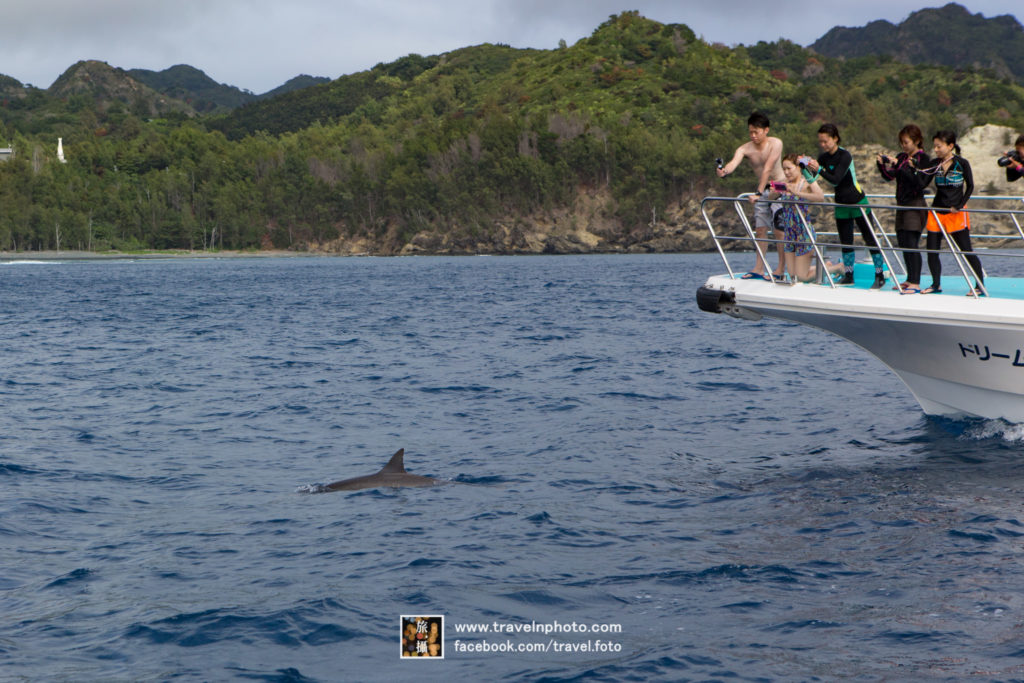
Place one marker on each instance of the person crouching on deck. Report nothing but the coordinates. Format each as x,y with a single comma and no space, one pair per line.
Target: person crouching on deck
793,220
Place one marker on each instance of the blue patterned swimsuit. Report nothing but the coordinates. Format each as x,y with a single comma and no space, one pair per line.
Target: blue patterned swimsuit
789,221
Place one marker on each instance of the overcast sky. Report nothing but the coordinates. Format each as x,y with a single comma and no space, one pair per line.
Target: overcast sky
259,44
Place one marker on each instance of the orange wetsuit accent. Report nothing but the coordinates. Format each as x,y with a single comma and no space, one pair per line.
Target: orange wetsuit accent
952,222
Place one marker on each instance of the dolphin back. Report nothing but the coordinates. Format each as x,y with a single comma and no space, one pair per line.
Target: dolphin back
396,465
392,474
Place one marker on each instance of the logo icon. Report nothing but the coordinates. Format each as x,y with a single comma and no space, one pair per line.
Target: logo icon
422,636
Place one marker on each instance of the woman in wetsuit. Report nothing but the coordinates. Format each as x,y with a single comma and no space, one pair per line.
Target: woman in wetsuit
1014,161
835,165
954,184
909,223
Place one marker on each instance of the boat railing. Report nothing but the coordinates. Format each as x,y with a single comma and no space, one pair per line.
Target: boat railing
882,237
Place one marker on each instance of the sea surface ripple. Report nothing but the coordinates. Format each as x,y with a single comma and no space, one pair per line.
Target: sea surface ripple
748,501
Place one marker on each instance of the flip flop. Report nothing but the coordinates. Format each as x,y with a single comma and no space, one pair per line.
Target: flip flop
931,290
977,290
911,290
753,276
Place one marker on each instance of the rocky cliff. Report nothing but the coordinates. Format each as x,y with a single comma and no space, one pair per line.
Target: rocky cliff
589,225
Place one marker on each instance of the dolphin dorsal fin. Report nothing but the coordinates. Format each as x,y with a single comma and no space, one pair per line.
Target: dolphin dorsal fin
396,464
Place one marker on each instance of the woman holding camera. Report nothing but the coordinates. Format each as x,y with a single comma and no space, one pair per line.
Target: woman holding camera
909,192
1014,161
954,184
835,165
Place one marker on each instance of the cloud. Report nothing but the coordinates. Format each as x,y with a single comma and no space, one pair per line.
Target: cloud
259,44
45,38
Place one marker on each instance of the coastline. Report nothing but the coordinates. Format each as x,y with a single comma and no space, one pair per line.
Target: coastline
72,255
171,254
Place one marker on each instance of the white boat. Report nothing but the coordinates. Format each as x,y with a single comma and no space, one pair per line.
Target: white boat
959,355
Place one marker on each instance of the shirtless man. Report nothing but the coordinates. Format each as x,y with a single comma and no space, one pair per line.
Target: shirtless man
765,156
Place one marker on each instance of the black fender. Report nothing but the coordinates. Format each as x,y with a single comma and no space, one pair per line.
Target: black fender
711,300
720,301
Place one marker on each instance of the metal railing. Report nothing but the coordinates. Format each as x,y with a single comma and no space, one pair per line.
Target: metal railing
869,212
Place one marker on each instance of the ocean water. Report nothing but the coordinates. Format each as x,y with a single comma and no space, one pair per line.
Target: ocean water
713,499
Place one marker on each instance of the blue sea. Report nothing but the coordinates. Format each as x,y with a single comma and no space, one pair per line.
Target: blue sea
709,498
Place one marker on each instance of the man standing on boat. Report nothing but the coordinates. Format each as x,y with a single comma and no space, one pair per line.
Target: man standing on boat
765,156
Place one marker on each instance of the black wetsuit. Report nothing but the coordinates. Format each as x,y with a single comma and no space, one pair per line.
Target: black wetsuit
837,168
954,186
1014,171
952,190
909,192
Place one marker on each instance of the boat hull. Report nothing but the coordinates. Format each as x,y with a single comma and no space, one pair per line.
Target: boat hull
959,356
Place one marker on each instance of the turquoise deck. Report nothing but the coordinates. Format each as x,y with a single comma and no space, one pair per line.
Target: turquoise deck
953,283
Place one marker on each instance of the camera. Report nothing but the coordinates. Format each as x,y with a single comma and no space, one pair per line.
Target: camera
803,161
719,163
1010,159
776,186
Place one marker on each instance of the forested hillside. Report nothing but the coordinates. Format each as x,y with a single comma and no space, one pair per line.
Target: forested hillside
484,149
192,86
948,35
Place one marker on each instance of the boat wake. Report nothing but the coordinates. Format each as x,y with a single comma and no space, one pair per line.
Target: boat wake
32,263
995,429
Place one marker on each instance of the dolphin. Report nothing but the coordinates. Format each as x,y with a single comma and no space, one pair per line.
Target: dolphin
392,474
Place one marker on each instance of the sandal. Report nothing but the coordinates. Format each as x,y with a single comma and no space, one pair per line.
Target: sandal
931,290
911,289
753,276
976,290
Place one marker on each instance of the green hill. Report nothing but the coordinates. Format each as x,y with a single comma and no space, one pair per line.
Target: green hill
9,85
949,36
205,95
603,145
329,102
104,84
190,85
298,83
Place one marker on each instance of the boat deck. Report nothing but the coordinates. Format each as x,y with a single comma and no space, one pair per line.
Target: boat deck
953,283
958,355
